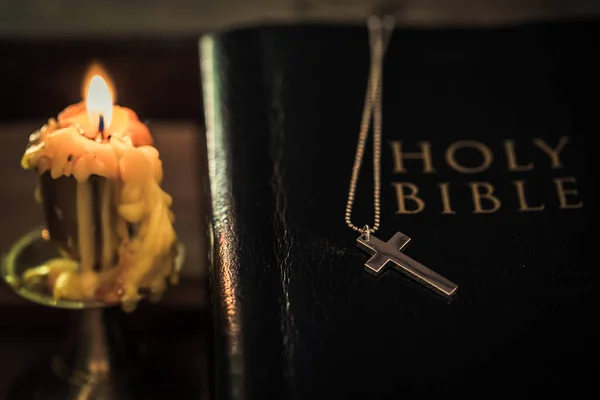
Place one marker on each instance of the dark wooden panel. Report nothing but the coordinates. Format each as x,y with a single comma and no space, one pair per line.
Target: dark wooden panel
30,18
157,78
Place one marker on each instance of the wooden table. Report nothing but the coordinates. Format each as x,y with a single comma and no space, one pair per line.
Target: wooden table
177,329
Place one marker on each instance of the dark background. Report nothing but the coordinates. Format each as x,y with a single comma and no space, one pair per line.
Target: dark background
158,78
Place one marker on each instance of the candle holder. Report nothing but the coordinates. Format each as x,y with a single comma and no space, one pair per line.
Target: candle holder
98,362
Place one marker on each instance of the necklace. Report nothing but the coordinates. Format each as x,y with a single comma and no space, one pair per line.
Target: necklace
382,253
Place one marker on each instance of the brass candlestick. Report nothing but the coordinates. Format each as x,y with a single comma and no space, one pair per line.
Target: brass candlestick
97,361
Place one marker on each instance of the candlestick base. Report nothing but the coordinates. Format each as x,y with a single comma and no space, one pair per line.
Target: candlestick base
35,249
98,362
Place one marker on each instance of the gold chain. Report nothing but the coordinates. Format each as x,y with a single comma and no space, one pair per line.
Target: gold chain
379,34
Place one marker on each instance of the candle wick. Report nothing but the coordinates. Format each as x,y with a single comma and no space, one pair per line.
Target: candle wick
101,126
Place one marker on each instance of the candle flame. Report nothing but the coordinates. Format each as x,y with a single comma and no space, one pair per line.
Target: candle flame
99,97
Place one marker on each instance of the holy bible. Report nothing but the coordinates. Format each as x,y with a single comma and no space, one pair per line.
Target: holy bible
486,165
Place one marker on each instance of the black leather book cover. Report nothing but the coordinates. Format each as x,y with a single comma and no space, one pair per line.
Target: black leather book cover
488,148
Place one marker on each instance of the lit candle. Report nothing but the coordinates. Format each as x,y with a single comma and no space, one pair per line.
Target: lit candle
99,97
124,242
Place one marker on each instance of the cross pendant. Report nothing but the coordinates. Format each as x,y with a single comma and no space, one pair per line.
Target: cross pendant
391,251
